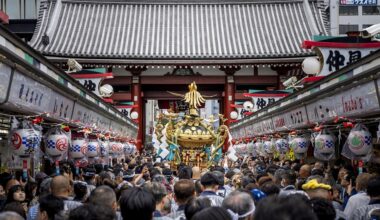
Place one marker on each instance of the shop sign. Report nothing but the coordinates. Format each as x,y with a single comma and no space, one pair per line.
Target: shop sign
92,84
90,118
262,102
356,101
5,76
290,120
33,96
334,59
358,2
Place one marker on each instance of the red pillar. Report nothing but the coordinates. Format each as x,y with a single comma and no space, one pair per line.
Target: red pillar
229,91
229,98
137,100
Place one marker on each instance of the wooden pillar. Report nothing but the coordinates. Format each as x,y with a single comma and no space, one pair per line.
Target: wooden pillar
138,101
229,91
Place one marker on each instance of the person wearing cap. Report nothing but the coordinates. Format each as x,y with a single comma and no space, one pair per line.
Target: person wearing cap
210,184
89,178
240,205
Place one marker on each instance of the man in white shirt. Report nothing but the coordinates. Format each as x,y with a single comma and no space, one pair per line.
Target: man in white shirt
361,198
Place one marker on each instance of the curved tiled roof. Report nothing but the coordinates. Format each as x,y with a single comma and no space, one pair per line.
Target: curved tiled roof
167,29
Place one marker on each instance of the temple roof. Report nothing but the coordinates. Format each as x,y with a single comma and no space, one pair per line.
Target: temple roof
173,29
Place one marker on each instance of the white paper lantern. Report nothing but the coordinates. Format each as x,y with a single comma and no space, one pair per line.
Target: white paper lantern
78,149
311,66
359,142
325,143
104,148
106,90
234,115
269,147
134,115
56,145
25,141
259,147
250,147
282,145
299,145
248,105
113,148
92,148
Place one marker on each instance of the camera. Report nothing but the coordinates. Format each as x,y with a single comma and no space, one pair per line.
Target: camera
74,66
290,82
372,31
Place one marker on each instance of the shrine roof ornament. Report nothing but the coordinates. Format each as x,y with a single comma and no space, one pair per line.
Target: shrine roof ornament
166,29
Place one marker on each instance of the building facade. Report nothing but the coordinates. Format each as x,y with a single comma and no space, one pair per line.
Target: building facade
153,47
350,15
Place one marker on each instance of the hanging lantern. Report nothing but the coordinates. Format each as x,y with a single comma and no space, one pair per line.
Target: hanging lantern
234,115
360,140
282,145
299,145
250,147
104,148
325,143
92,148
24,141
56,145
269,146
311,66
134,115
78,149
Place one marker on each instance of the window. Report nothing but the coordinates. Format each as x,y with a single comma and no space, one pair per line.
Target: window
344,28
366,25
348,10
371,10
20,9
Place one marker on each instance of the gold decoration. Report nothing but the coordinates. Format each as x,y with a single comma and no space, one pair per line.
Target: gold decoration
190,139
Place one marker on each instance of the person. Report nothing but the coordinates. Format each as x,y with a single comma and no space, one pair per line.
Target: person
361,197
373,191
323,208
212,213
314,189
8,215
61,188
3,198
104,196
16,207
195,205
50,207
288,183
184,190
137,203
160,195
210,184
89,178
92,212
80,191
241,204
305,171
282,208
16,194
31,193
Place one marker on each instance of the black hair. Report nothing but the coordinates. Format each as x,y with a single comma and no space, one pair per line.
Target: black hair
80,190
218,168
212,213
195,205
373,187
92,212
288,207
51,205
29,187
323,208
270,188
185,172
290,176
137,203
11,191
15,207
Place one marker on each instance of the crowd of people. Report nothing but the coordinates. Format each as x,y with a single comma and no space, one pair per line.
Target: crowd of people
138,187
